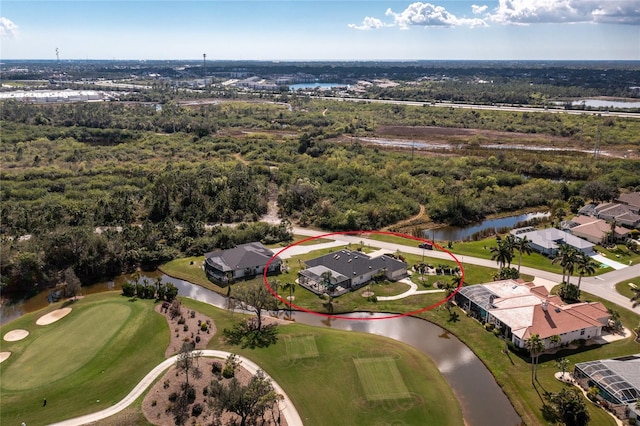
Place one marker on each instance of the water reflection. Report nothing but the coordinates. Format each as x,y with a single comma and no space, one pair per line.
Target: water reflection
458,233
482,401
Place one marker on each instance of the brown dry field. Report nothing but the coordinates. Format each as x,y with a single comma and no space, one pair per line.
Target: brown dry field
452,134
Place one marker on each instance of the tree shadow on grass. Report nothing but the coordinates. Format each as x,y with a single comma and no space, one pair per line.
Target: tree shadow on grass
69,302
247,335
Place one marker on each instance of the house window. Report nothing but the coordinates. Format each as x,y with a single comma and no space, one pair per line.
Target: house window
582,332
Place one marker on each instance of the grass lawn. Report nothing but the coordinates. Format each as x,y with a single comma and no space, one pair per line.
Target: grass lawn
624,289
326,388
84,362
482,249
315,366
190,269
79,339
380,379
620,254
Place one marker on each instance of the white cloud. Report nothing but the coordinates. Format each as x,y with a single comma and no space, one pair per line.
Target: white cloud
478,10
7,28
514,12
523,12
427,14
368,23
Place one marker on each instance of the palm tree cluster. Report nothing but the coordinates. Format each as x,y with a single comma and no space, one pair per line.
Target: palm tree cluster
535,345
503,253
571,260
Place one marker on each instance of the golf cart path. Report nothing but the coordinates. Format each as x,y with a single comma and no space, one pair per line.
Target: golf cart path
286,406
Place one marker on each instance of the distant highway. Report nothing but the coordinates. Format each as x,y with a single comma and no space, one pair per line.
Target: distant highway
486,107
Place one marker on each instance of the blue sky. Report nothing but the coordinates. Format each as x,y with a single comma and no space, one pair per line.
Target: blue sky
321,30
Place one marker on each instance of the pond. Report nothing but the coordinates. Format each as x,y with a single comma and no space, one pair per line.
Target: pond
482,401
322,86
605,103
461,233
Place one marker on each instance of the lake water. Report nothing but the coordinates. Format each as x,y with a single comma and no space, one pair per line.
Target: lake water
482,401
605,103
304,86
457,233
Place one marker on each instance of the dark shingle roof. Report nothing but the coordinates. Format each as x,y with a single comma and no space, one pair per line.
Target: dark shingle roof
354,263
243,256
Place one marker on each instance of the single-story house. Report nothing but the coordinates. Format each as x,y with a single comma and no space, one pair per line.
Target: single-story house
521,310
621,213
631,199
594,230
345,270
224,267
548,241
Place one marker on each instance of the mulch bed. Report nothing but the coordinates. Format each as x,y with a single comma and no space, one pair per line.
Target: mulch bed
156,406
187,328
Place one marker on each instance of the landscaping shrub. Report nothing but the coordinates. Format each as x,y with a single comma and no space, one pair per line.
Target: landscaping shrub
128,289
196,410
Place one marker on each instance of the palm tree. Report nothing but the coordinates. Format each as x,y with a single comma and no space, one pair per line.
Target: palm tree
275,285
523,246
510,243
566,256
635,297
291,286
534,345
586,266
456,280
611,235
563,365
326,280
502,253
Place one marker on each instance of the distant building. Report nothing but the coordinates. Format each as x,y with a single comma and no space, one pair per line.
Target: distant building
345,270
224,267
520,310
548,241
623,214
593,230
631,199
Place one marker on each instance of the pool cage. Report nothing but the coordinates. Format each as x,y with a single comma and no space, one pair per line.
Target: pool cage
618,379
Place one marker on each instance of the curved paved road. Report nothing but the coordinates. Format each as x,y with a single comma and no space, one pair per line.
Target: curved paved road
286,406
602,286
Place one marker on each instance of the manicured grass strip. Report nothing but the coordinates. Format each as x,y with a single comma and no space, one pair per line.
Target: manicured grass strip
54,355
381,379
326,390
129,338
299,347
624,288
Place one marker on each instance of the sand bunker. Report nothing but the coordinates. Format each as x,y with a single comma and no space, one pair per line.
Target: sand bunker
53,316
15,335
4,355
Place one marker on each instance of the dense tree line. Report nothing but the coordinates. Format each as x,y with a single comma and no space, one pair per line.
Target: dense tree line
29,265
61,180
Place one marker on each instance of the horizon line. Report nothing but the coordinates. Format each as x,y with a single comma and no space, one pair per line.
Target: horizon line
321,60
